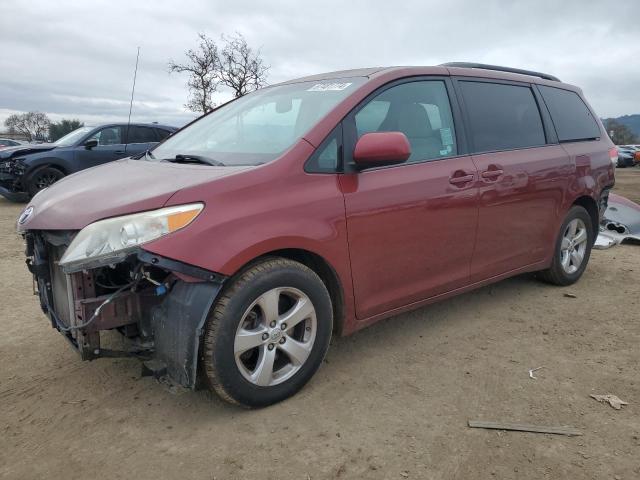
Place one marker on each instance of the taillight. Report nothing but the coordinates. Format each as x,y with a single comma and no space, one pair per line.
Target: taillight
613,155
637,156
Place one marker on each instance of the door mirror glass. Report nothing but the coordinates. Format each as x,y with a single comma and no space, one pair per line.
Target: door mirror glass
91,143
381,148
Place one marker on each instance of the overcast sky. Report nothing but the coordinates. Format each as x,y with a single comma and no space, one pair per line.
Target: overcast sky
75,59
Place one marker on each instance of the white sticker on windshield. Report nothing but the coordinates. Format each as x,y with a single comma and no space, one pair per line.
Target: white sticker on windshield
327,87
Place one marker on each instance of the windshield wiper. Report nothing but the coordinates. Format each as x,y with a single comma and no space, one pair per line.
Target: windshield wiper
146,155
187,158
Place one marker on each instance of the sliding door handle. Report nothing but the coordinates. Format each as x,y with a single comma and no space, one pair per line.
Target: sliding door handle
461,180
492,174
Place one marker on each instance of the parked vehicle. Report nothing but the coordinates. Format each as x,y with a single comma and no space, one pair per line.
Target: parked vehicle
27,169
627,157
233,251
7,142
636,155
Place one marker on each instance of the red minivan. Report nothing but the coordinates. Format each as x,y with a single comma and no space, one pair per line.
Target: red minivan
231,252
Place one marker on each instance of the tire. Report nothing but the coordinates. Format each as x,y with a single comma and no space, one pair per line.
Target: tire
561,272
42,178
245,313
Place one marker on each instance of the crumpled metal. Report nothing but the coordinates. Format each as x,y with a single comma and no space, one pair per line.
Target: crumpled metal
620,223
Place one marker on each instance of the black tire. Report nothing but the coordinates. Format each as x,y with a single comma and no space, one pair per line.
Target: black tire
556,274
42,178
221,372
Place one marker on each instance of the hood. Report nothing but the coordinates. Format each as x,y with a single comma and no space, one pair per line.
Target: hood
19,150
116,188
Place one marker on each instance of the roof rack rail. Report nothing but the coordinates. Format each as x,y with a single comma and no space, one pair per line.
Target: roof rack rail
484,66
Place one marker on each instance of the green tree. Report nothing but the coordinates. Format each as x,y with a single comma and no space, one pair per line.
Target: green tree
60,129
620,134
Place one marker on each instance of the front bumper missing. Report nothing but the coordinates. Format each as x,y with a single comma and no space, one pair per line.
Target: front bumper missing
162,315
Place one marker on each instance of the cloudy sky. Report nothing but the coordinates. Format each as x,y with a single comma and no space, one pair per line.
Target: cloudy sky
75,58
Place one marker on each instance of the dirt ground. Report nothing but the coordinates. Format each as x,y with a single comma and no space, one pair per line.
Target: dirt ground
391,401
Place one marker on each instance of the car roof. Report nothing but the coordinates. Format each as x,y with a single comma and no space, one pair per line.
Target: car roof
136,124
476,70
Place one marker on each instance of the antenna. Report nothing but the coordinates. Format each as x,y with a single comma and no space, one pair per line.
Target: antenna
133,89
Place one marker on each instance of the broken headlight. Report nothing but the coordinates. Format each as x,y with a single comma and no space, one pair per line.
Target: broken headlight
113,237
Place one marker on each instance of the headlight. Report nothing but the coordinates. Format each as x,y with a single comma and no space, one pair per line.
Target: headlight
111,239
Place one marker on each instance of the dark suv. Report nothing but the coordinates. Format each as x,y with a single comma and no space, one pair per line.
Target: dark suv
27,169
232,251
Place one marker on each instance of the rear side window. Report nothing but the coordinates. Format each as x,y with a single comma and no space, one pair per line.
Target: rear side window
501,116
141,134
570,115
420,110
162,134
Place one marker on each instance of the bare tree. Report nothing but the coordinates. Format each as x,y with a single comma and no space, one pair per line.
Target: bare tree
241,68
202,65
33,125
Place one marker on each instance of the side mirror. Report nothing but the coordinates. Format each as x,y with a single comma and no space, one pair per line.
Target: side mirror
381,148
89,144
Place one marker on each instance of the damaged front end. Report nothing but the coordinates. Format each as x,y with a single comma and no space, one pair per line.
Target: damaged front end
157,304
11,184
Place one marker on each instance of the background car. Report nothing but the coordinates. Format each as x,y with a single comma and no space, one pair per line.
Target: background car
27,169
628,156
7,142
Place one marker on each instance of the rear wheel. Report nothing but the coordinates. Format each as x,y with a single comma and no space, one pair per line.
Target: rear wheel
267,334
43,178
572,250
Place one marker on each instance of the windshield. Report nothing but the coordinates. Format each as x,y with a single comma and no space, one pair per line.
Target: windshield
260,126
71,138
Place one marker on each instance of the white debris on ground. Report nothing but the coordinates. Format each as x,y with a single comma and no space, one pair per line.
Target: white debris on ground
614,401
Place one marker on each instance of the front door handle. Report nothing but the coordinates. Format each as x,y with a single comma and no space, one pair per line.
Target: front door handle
460,180
492,174
119,152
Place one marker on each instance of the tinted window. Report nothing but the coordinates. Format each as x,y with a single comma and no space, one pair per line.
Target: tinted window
141,134
570,116
162,134
502,117
108,136
420,110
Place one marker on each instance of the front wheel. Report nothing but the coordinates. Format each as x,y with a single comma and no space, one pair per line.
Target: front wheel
267,334
43,178
572,249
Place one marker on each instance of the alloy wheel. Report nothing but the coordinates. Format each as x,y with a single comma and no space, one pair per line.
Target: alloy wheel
574,246
275,336
46,180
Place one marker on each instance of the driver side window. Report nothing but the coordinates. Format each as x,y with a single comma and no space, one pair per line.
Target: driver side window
108,136
420,110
